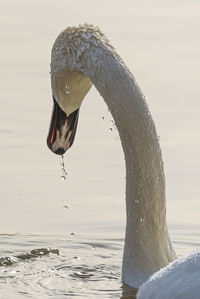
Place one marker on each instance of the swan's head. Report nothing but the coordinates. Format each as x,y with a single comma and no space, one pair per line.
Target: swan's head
69,85
78,55
69,89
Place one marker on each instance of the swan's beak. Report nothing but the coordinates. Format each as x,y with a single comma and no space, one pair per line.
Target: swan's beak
62,130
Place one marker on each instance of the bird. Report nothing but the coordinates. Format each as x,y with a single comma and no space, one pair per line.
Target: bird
81,57
179,279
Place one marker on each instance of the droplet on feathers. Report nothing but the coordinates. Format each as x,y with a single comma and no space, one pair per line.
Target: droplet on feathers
141,219
67,89
113,123
110,129
93,247
72,235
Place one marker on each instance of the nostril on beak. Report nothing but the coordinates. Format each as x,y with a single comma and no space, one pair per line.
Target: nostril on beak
60,151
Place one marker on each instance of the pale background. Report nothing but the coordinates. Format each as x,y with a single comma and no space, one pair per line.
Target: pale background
159,41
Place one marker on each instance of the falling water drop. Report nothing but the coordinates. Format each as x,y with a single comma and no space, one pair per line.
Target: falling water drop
64,172
66,208
77,257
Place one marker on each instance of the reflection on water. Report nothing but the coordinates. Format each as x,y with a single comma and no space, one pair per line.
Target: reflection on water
128,292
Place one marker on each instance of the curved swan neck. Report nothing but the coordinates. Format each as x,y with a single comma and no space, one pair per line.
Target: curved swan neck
147,244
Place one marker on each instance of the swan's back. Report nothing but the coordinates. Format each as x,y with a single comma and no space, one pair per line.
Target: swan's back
179,280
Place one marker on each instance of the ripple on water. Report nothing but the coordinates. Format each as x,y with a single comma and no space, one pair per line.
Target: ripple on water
73,269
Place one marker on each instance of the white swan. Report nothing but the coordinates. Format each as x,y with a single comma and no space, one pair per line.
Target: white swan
82,56
179,280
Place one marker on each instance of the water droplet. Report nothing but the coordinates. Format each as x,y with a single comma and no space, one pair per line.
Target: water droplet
137,201
67,92
102,117
141,219
77,258
64,172
110,129
72,235
66,208
93,247
63,178
113,123
13,272
13,258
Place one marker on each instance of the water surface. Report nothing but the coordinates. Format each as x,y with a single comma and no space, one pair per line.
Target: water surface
159,41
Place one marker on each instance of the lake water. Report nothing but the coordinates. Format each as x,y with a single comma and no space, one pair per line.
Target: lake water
83,218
